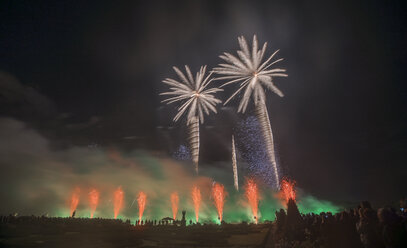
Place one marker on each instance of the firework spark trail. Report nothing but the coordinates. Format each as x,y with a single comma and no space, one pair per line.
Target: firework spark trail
253,75
234,161
141,200
193,131
263,117
93,201
74,200
288,190
132,203
196,99
174,204
118,196
252,195
196,198
219,194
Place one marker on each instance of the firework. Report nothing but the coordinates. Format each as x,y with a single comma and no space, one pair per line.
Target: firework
174,204
118,201
141,200
252,74
196,198
234,161
196,99
252,195
74,200
219,194
93,201
288,190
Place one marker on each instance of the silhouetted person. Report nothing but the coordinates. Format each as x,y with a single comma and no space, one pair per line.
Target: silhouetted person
294,224
393,231
368,228
183,220
280,219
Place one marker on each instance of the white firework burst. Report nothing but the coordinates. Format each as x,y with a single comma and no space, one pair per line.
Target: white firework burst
194,94
252,74
196,99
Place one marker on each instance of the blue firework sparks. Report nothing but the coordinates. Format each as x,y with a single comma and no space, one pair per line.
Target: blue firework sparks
183,153
253,150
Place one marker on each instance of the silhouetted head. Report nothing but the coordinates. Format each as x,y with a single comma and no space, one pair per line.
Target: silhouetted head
387,215
365,204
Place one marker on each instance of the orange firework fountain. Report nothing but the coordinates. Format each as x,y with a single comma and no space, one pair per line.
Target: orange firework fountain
252,195
93,201
218,194
118,201
288,190
74,200
196,198
174,204
141,200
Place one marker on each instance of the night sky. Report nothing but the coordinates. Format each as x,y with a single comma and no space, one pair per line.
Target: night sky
88,74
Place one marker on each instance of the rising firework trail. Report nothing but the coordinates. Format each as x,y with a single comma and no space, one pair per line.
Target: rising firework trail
118,196
252,195
219,194
196,199
288,190
174,204
234,161
74,200
93,201
141,200
253,75
196,99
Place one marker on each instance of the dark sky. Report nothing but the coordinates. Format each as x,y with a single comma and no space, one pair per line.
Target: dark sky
82,73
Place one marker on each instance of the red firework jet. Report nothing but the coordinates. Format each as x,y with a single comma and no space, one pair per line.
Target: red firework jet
141,200
252,195
288,190
219,194
196,199
118,201
174,204
74,200
93,201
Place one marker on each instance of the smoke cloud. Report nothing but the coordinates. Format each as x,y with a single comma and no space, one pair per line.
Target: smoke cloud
40,180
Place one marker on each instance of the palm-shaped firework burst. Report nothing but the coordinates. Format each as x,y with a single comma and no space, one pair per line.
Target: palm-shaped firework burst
253,75
196,99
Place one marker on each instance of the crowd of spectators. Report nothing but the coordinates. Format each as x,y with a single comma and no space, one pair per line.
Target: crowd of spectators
361,227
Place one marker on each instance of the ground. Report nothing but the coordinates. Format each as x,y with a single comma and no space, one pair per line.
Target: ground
104,234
